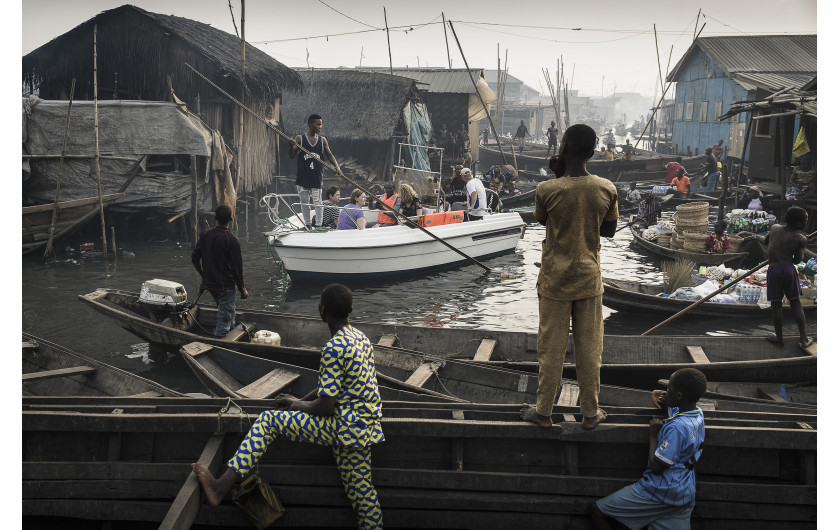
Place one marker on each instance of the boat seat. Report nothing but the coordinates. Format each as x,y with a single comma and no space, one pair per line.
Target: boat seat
61,372
387,340
775,395
810,350
197,351
239,331
569,395
698,356
269,385
422,374
485,350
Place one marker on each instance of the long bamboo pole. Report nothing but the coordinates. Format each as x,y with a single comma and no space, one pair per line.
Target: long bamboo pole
446,38
477,93
48,248
388,34
96,135
710,295
335,170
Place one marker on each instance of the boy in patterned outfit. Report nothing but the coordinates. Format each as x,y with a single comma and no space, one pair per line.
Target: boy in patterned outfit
343,412
664,497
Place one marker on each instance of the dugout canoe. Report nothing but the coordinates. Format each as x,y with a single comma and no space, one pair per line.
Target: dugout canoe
526,198
227,373
461,468
37,219
303,336
49,369
699,258
627,295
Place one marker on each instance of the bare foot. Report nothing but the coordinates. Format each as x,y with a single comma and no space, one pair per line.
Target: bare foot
591,423
214,489
805,343
773,339
529,413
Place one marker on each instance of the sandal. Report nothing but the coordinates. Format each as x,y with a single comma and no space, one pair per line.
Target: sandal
773,339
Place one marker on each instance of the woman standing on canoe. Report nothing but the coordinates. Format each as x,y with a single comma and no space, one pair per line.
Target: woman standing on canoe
344,412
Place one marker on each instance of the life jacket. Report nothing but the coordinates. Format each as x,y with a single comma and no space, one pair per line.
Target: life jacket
383,218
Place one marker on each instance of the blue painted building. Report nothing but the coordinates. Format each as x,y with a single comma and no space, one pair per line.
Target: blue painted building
718,71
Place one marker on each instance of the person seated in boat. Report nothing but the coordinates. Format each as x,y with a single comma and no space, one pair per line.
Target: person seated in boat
718,241
753,199
386,218
649,210
410,204
785,248
633,195
609,156
681,184
627,151
352,216
344,413
666,492
331,209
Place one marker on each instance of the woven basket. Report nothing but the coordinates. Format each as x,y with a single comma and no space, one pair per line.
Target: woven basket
663,238
735,242
677,241
695,242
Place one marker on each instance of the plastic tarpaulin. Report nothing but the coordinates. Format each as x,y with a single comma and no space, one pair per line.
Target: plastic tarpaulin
476,109
416,118
130,129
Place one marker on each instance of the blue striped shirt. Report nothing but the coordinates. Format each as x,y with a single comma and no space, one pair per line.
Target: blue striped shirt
679,444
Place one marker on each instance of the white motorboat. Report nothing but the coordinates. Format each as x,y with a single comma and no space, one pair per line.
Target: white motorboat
345,255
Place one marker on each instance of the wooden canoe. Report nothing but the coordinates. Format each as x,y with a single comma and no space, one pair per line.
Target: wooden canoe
636,296
735,358
699,258
71,216
526,198
461,468
227,373
53,370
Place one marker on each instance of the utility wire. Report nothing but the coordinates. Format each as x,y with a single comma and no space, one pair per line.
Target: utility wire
347,16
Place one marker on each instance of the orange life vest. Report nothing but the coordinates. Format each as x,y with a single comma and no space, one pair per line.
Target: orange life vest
383,218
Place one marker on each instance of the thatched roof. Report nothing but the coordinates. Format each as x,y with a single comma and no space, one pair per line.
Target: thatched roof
143,47
354,105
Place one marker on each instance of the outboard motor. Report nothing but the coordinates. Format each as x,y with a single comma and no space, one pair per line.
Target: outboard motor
164,300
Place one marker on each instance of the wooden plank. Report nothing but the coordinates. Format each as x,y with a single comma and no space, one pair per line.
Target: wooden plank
775,395
150,393
269,385
697,354
195,349
569,418
239,331
29,345
485,350
803,425
61,372
188,501
569,394
387,340
422,374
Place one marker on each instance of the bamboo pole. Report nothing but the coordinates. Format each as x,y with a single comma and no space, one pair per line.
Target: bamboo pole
194,172
335,169
96,135
48,248
240,152
446,38
710,295
65,156
114,247
483,104
388,35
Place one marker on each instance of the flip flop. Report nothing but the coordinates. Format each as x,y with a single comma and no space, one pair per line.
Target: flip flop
772,339
591,423
805,345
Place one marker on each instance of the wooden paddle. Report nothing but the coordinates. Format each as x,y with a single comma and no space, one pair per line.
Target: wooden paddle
710,295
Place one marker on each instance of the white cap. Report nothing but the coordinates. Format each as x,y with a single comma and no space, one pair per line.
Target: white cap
466,171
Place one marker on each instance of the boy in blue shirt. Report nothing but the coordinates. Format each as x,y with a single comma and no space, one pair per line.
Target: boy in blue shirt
664,497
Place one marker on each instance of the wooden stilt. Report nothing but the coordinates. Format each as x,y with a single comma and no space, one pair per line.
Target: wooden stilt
98,175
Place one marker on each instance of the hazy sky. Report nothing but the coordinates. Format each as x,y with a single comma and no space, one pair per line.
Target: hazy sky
613,49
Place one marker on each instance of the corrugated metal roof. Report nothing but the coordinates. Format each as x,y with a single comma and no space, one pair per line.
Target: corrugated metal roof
788,57
770,81
437,80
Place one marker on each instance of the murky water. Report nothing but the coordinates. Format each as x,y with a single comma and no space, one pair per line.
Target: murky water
464,297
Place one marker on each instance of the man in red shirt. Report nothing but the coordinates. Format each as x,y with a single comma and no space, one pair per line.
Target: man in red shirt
671,169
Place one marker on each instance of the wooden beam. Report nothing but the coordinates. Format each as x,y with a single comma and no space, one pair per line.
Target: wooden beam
269,385
239,331
421,374
697,354
485,350
812,349
194,349
387,340
61,372
188,501
568,395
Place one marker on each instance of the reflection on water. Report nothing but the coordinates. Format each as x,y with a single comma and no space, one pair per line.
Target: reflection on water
461,297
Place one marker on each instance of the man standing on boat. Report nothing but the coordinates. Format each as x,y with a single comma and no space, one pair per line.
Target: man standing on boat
671,169
551,132
521,133
218,258
476,196
308,181
577,209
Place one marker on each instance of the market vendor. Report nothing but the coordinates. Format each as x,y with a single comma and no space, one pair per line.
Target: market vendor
753,199
718,241
682,184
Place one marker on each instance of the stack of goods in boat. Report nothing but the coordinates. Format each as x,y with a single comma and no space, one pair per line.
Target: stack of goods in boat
758,222
692,218
661,233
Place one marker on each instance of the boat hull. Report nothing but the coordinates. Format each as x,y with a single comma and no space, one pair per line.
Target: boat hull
699,258
345,255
